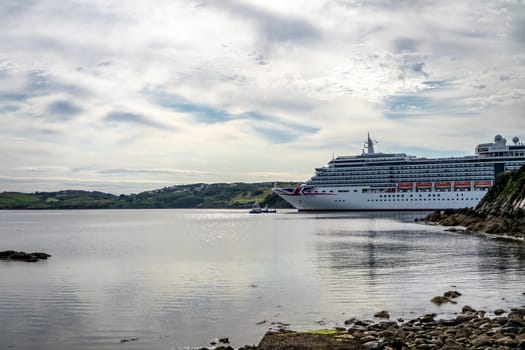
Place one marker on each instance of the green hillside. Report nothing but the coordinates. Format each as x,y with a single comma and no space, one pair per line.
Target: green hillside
220,195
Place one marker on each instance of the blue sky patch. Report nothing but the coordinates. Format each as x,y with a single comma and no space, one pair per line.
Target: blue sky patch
211,115
63,110
203,113
405,106
13,96
125,117
9,109
275,135
276,120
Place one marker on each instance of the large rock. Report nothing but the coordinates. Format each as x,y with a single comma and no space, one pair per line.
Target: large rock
23,256
438,300
467,309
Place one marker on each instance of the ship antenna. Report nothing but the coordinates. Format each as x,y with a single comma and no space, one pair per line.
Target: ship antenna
370,144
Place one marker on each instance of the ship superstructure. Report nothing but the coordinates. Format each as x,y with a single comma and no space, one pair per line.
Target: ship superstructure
397,181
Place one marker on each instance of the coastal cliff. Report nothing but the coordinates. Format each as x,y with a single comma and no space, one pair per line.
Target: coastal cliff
501,211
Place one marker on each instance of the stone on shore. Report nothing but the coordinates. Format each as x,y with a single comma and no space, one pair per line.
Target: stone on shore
382,314
498,312
452,294
467,309
446,298
438,300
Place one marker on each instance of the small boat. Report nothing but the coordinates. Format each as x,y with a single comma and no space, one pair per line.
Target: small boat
265,209
482,184
444,184
462,184
256,208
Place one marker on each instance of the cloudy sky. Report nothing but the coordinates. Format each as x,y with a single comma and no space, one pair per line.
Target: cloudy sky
125,96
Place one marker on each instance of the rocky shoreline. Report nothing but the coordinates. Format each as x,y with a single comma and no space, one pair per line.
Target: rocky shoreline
500,212
23,256
471,329
472,221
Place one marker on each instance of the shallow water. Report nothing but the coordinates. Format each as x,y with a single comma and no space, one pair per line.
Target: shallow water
180,278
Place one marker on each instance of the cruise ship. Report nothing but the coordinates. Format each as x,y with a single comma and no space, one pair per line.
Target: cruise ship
397,181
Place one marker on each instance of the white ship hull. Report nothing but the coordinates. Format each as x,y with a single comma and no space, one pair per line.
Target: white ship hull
355,199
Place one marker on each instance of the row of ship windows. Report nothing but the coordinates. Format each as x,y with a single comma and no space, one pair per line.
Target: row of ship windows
403,165
406,173
410,168
420,199
340,172
395,180
425,163
401,171
413,167
459,194
411,195
405,177
412,199
375,182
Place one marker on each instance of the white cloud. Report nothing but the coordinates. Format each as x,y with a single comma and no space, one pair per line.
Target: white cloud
189,91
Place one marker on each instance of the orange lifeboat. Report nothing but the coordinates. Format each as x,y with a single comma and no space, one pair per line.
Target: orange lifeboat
424,185
405,185
462,184
483,184
444,184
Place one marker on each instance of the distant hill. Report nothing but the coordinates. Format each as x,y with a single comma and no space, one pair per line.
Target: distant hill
501,211
200,195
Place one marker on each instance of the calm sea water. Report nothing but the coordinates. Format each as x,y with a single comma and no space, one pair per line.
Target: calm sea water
180,278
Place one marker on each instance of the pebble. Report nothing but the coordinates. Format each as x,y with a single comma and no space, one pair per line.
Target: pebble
467,309
382,314
498,312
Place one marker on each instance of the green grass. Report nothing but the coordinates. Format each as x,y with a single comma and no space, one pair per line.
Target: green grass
323,331
18,200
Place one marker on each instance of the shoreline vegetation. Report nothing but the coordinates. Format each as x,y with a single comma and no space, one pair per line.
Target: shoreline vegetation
470,329
199,195
500,212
